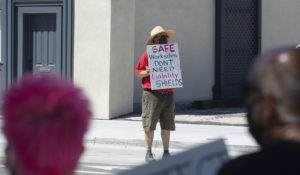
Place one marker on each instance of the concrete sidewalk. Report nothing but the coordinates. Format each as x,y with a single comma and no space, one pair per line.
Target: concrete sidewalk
235,116
115,145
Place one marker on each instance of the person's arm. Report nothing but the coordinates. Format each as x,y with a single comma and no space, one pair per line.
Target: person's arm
144,73
142,69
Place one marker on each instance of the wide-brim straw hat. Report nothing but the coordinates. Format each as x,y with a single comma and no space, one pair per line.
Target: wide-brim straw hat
159,29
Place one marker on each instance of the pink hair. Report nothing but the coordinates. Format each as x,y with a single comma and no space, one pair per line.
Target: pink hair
45,119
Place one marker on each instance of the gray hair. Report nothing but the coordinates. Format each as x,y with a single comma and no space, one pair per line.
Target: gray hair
272,75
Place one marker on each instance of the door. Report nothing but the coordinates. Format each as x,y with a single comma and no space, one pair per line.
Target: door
238,37
2,57
39,40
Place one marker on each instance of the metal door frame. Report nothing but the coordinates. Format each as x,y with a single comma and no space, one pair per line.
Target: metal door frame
10,32
22,11
219,47
3,74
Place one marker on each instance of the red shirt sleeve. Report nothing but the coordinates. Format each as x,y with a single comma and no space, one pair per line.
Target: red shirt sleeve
142,63
146,84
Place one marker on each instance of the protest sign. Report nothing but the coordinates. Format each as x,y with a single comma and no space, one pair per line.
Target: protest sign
203,160
164,66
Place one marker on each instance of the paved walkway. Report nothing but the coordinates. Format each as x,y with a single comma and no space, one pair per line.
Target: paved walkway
232,116
216,116
116,145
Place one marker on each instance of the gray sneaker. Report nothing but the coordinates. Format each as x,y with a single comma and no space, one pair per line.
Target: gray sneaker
149,157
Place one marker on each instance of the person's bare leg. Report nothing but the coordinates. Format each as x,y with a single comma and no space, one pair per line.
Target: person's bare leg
149,139
165,136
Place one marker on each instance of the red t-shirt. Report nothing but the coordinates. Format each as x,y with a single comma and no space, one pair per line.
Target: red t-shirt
141,66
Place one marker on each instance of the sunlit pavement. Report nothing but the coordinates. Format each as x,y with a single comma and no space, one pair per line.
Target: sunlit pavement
116,145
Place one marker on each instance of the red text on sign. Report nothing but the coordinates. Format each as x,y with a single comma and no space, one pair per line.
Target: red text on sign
163,48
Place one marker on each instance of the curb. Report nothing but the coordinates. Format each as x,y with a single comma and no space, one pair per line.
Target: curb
192,117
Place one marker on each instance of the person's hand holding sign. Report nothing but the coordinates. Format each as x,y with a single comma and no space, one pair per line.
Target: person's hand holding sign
144,73
147,70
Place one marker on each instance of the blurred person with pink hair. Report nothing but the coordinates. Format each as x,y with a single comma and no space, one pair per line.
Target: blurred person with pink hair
44,121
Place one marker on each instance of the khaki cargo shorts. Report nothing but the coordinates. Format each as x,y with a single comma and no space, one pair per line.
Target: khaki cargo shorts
158,107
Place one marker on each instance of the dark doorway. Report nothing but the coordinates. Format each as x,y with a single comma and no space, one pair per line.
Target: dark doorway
37,36
39,40
238,37
42,44
2,66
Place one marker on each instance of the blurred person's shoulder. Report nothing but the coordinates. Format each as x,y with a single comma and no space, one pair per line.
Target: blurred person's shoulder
280,158
240,165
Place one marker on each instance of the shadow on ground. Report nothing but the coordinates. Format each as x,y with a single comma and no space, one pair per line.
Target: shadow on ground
191,109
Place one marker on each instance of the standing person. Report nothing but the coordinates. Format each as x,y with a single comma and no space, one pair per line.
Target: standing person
273,101
44,121
157,105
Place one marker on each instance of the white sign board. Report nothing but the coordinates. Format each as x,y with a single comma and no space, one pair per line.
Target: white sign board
164,66
203,160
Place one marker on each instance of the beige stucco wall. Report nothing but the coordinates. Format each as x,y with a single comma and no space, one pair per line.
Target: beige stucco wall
110,36
194,22
103,54
122,57
280,23
92,31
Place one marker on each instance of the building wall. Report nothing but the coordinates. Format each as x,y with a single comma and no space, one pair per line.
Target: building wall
92,34
194,22
103,54
110,37
280,23
122,53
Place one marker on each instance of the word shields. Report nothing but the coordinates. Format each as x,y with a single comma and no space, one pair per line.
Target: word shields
164,66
